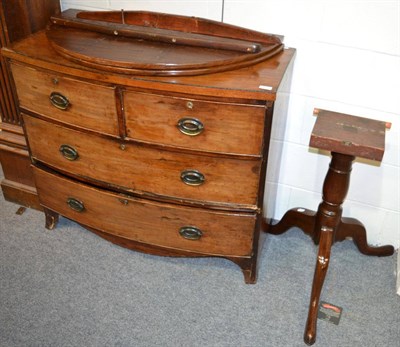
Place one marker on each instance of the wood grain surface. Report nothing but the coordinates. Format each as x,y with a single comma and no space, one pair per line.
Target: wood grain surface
228,128
145,170
148,222
91,106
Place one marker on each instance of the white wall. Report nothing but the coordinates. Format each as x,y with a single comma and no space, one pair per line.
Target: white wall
348,60
211,9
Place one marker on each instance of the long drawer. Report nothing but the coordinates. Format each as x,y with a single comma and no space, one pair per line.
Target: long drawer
195,124
228,182
67,100
176,227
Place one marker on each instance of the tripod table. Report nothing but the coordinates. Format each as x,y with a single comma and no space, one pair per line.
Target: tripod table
346,137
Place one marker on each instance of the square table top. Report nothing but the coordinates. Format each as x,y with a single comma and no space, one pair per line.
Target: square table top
348,134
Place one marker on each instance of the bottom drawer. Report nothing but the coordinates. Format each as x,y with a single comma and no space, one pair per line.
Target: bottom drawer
166,225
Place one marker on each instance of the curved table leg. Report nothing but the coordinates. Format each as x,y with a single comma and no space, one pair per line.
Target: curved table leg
321,267
296,217
350,227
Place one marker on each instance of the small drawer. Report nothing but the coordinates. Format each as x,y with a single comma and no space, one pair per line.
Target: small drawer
66,100
227,182
195,124
176,227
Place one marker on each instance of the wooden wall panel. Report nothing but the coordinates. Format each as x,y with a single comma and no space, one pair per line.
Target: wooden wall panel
18,19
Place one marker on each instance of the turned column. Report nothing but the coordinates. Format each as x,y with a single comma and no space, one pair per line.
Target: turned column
327,221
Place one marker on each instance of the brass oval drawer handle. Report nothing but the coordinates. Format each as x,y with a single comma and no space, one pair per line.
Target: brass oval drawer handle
75,205
190,233
192,177
69,152
59,101
190,126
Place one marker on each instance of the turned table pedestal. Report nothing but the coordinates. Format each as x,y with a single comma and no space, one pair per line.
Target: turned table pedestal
346,137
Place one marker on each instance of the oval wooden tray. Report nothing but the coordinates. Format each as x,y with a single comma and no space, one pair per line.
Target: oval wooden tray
150,43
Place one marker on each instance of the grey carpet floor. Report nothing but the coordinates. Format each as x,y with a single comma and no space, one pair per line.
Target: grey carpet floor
69,287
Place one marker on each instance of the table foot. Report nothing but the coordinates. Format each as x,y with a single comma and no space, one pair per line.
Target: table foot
352,228
321,268
296,217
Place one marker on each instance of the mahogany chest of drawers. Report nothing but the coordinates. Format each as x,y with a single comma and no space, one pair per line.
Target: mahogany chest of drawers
166,165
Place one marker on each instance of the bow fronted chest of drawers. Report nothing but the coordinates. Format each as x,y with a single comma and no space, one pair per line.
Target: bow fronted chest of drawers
168,165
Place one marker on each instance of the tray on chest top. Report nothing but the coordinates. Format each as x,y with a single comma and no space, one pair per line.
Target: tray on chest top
150,43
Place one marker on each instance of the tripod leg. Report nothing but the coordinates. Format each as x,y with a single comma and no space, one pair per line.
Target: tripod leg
350,227
324,251
296,217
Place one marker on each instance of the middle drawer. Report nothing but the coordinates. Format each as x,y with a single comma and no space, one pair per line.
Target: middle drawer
206,180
